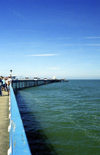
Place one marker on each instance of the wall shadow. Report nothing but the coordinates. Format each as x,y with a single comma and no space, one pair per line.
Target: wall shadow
38,141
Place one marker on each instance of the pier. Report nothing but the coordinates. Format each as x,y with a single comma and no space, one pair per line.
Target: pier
22,84
4,122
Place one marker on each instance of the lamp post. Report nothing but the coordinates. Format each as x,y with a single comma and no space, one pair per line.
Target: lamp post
11,73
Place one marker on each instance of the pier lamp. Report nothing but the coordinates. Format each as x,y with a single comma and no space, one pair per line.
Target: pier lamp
11,73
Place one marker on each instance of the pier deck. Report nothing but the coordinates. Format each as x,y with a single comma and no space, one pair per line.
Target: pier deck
4,122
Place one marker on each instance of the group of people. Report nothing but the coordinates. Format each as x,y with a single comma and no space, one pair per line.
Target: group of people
5,84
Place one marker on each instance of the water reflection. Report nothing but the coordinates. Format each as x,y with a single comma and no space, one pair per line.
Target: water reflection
38,141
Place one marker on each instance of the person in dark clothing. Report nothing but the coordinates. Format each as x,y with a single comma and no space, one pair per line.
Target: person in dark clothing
0,86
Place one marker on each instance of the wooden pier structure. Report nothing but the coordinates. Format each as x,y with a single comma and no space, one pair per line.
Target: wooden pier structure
4,122
22,84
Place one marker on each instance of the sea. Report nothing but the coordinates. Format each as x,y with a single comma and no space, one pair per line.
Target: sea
62,118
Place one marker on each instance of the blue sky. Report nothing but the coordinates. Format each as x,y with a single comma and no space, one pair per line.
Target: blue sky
48,38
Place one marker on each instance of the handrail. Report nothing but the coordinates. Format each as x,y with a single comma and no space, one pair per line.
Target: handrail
17,137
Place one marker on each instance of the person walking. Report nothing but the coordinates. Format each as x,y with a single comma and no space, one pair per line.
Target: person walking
8,81
0,86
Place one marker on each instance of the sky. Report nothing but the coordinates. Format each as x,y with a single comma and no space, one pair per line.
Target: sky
47,38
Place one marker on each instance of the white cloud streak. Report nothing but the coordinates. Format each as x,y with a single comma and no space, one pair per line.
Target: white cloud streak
90,45
42,55
54,68
92,37
95,45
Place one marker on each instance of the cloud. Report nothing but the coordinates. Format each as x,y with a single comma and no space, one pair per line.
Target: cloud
25,30
42,55
70,44
54,68
91,45
92,37
63,38
59,38
95,45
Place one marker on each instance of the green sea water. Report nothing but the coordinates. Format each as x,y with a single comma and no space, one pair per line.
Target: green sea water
62,118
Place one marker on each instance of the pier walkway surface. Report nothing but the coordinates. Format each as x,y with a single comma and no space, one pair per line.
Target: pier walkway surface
4,122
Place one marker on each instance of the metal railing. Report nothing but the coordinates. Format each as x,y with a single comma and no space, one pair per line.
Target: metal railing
18,144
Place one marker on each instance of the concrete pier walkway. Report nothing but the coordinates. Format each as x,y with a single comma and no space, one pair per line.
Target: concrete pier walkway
4,122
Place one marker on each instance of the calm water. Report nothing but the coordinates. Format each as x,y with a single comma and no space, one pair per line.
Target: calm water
62,118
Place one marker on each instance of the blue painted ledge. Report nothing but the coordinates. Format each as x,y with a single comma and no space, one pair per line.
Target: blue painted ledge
17,137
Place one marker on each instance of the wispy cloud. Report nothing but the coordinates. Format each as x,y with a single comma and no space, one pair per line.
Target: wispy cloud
63,38
25,30
92,37
42,55
95,45
54,68
91,45
59,38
